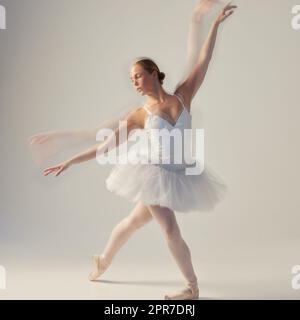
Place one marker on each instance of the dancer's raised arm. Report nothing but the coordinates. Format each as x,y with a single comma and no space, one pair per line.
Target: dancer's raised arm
189,87
195,31
131,121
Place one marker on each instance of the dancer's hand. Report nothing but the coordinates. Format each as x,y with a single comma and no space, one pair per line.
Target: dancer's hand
202,7
58,169
226,12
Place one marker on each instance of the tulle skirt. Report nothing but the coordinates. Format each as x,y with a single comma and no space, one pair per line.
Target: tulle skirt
157,185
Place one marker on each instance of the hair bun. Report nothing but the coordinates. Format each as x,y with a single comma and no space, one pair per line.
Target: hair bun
161,76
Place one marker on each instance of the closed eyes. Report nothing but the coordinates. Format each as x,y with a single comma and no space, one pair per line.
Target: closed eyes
136,76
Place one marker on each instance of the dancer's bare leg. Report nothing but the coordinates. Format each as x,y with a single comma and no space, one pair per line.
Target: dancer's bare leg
138,217
179,249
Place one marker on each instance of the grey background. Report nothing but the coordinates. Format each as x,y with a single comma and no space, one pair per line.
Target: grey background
64,64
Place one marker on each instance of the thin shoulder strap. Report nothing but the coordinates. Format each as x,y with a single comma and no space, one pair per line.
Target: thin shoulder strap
180,99
148,111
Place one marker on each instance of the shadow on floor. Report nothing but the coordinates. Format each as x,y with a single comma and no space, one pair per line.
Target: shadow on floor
143,282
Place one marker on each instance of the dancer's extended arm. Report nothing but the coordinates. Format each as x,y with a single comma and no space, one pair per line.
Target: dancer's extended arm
195,33
75,135
45,145
131,122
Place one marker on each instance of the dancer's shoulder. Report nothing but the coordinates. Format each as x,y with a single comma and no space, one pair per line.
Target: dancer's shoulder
184,97
136,116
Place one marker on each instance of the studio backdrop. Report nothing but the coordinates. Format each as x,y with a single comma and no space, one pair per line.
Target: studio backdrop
64,65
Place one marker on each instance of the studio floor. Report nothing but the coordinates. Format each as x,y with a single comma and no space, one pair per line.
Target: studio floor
143,280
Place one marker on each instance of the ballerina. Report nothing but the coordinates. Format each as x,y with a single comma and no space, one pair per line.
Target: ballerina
158,190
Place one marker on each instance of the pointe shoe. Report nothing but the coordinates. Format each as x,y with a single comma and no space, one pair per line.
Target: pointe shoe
189,293
99,264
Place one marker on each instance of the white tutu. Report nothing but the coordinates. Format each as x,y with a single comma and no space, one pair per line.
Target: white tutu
153,184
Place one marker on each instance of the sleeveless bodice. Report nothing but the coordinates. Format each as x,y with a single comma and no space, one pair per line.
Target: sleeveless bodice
168,142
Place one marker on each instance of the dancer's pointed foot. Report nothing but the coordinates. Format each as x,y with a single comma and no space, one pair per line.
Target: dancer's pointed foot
100,265
191,292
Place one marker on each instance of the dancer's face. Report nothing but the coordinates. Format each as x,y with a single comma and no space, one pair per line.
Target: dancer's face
141,79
